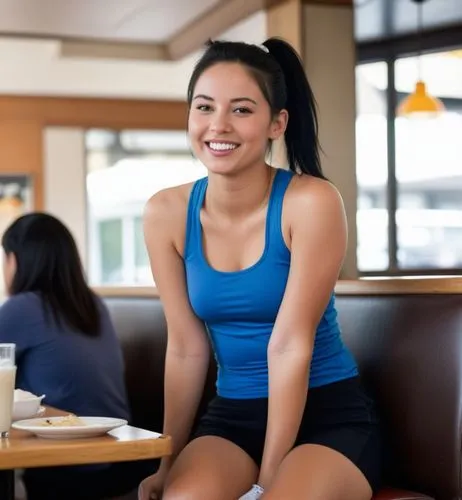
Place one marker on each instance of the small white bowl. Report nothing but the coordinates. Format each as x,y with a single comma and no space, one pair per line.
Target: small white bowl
26,408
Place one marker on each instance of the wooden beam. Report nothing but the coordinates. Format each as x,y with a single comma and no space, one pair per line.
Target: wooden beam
212,23
113,50
337,3
89,112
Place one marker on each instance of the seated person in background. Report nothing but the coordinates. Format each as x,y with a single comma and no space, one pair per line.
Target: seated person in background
66,348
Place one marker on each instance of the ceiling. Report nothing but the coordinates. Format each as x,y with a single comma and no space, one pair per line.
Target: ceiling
154,29
171,29
109,20
379,19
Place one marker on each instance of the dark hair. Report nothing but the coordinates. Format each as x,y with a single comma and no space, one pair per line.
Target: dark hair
279,73
48,262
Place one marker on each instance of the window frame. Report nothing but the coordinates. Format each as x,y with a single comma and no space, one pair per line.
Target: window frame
389,51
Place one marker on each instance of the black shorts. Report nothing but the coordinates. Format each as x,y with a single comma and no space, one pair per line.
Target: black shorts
339,415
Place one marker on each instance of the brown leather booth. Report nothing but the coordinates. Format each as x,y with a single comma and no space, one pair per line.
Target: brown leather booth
407,338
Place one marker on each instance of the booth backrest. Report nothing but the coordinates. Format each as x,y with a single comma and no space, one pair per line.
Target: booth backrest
409,349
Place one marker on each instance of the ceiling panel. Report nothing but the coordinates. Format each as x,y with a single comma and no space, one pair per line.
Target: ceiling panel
379,19
117,20
158,20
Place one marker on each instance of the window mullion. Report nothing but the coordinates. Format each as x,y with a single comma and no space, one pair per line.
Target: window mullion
392,187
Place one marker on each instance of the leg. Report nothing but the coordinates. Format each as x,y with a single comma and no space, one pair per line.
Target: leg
20,492
209,468
316,472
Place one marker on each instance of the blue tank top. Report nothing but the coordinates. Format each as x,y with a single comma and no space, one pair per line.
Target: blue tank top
239,308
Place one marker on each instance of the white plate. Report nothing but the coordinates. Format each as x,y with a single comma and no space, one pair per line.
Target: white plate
94,426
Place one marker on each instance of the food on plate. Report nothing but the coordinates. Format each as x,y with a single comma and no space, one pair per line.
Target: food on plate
67,421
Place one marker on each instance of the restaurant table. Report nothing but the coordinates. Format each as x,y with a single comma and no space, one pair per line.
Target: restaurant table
22,450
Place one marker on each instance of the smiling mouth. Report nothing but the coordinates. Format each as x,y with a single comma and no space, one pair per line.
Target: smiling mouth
221,146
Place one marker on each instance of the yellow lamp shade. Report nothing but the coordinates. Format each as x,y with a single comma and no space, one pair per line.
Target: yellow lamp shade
420,103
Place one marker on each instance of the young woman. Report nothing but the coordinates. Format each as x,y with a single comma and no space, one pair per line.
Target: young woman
249,256
66,347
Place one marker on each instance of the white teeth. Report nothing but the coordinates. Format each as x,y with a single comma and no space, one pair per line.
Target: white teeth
220,146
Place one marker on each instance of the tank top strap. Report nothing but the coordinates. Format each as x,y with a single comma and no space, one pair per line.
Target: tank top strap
275,239
193,238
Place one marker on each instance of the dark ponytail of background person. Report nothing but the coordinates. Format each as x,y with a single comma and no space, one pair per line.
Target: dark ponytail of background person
279,72
48,263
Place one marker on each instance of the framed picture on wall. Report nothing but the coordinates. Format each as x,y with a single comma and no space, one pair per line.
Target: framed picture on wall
15,200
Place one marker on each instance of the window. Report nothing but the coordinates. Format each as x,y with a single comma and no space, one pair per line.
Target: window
419,188
110,250
429,168
372,166
124,169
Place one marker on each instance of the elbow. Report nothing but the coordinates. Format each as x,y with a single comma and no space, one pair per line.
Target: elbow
188,350
183,353
293,349
187,343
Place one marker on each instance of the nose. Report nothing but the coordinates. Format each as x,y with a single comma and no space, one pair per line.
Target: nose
220,122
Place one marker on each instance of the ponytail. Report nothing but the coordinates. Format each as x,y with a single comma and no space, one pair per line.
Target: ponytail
301,135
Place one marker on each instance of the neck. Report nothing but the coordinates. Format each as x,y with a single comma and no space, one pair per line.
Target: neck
239,195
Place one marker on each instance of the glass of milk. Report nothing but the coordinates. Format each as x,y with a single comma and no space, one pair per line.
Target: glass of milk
7,378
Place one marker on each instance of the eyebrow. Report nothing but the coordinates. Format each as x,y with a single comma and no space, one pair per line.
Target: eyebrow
236,99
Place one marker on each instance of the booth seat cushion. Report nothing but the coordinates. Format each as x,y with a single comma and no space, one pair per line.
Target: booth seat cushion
392,494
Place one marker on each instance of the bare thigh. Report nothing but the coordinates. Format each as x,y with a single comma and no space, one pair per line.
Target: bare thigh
318,473
210,468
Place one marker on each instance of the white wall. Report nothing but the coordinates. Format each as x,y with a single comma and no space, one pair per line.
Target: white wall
65,180
35,67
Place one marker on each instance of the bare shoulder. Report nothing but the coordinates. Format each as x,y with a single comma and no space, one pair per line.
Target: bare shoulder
168,204
314,204
166,212
307,192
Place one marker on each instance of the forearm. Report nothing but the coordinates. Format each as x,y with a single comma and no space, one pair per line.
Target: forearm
184,386
288,388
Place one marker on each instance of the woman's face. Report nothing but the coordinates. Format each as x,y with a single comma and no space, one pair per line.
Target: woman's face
9,270
230,120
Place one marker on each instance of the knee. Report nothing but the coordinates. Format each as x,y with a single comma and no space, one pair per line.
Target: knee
181,490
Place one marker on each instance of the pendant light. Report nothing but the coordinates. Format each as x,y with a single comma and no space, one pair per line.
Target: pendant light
420,103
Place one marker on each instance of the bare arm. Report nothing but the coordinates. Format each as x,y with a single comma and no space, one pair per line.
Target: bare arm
318,245
187,356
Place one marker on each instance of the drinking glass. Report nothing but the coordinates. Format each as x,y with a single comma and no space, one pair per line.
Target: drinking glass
7,379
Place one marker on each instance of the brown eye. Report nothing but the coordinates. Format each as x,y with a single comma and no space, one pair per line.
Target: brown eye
203,107
242,111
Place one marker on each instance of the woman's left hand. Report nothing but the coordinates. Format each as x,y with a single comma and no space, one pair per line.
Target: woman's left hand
254,494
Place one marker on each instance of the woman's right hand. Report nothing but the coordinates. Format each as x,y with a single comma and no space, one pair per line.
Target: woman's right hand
152,487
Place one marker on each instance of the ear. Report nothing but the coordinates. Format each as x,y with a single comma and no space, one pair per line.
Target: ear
12,263
9,270
278,125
